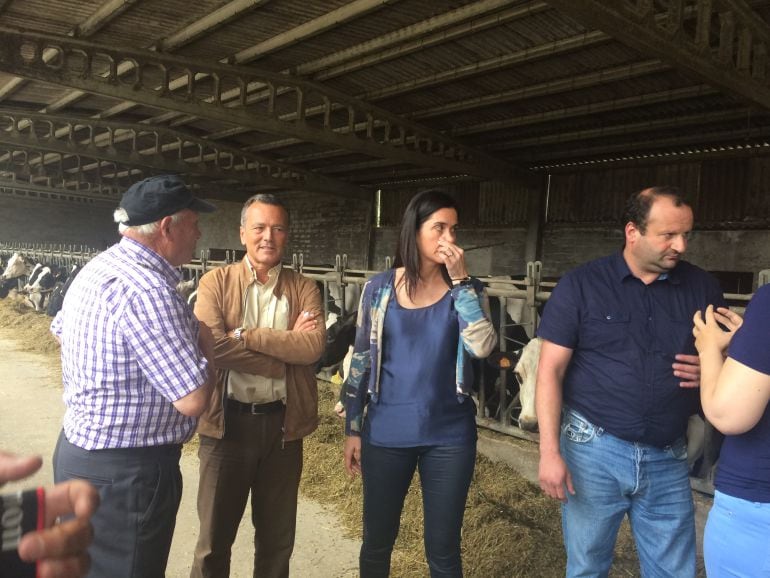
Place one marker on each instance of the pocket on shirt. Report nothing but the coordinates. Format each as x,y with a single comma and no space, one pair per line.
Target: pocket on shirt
606,331
679,338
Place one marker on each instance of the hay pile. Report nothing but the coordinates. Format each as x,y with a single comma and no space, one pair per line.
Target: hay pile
30,328
511,528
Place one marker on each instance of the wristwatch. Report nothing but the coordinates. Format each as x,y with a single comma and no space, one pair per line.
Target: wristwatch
237,333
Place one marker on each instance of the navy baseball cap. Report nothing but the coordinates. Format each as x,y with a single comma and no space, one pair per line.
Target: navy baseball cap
153,198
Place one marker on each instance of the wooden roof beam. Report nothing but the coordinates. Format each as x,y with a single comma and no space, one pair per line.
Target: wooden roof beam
615,74
94,68
616,104
697,144
170,151
466,20
181,37
102,16
737,67
58,192
623,129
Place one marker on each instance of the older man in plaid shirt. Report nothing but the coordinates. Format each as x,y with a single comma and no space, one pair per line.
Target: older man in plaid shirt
137,371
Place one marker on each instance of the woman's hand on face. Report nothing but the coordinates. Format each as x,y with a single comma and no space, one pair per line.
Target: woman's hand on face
454,259
708,334
352,451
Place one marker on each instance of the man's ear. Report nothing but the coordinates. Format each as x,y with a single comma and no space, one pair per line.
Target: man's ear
631,231
165,226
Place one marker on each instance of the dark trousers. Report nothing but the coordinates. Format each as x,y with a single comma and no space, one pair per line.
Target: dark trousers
445,476
140,490
251,458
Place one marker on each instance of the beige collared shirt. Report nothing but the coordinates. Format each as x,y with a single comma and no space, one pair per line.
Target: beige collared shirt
262,309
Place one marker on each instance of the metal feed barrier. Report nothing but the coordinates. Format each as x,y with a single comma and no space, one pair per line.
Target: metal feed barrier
503,418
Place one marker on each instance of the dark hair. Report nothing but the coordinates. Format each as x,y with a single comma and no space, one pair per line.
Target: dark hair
419,209
638,205
265,199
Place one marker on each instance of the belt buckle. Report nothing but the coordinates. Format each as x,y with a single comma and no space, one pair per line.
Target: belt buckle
254,411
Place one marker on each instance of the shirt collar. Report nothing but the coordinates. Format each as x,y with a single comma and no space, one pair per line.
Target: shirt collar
622,270
272,274
149,258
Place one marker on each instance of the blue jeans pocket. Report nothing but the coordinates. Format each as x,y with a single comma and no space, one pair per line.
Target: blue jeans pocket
678,449
576,428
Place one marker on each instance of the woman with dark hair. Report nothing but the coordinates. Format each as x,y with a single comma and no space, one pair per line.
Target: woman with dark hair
418,324
735,394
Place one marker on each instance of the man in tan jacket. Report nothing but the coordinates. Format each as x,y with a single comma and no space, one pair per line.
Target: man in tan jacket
269,332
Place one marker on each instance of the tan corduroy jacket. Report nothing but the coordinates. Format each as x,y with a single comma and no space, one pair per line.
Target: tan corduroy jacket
263,351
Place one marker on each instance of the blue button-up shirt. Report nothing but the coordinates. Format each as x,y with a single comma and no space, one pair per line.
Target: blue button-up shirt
129,349
624,336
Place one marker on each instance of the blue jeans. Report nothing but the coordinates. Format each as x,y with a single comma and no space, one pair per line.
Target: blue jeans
736,542
612,478
445,475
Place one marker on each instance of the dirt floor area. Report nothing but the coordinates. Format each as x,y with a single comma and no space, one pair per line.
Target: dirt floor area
30,398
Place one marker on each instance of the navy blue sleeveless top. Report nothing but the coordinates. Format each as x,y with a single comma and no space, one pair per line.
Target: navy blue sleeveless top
418,405
743,470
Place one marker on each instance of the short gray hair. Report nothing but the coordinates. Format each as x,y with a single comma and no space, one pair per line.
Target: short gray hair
267,199
148,230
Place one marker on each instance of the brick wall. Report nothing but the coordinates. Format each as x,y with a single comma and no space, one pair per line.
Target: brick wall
324,226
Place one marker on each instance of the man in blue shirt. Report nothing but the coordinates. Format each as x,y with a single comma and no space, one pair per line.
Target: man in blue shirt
616,384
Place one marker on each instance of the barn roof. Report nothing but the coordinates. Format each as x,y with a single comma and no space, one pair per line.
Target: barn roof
345,97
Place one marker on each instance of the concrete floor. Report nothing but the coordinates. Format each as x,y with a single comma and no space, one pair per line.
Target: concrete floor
30,420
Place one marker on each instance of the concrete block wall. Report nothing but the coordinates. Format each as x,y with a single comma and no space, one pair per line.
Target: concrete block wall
566,247
24,220
325,226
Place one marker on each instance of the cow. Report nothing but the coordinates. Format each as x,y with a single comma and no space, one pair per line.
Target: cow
39,285
526,375
486,375
340,329
17,268
187,290
340,335
346,296
60,290
339,407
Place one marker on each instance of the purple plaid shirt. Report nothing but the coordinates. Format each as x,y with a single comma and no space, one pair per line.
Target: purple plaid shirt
129,348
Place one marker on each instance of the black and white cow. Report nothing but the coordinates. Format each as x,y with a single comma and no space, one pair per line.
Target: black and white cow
40,284
15,271
60,290
340,329
340,335
512,325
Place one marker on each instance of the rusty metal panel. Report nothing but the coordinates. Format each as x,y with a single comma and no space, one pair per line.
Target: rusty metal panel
502,204
589,197
723,191
486,204
599,196
757,209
